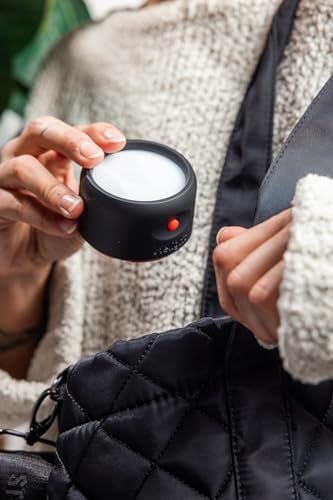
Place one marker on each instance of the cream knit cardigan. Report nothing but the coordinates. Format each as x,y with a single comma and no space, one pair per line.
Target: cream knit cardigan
177,73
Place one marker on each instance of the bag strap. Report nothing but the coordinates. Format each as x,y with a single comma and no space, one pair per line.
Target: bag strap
308,149
250,149
24,475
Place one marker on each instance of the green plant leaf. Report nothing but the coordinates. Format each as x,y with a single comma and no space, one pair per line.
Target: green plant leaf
19,20
28,30
61,16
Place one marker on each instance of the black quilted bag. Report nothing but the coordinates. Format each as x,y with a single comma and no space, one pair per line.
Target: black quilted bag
198,413
147,419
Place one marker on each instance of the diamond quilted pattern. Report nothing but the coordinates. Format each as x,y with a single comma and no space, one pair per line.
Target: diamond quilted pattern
210,452
304,425
168,487
81,435
156,419
75,415
131,350
107,380
173,351
166,421
153,385
139,391
107,458
316,475
314,420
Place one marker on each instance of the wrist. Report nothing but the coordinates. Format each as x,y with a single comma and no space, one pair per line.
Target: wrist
22,299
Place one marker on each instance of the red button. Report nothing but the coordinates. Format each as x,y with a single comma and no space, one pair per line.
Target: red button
173,224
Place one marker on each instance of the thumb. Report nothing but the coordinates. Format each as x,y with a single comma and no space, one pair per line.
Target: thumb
229,232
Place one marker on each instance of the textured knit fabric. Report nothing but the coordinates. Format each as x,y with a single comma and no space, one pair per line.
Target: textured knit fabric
175,73
306,300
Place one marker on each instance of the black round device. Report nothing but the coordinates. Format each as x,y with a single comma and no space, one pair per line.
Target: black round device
139,202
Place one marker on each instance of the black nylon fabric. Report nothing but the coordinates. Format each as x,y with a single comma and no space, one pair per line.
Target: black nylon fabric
308,149
250,149
24,475
177,416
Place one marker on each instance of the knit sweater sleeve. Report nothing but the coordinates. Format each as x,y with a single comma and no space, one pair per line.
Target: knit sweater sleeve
60,346
306,293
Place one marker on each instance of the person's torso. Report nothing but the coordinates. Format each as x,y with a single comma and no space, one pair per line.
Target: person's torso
176,73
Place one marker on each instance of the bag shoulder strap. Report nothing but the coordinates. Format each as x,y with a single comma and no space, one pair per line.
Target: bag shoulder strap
250,148
308,149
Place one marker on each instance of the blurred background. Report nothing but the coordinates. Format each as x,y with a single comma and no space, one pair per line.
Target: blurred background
28,30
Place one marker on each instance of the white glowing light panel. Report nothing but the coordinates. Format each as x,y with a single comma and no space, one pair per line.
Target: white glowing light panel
139,176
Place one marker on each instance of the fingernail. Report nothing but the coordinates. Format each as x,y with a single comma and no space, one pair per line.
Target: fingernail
218,235
67,226
90,150
114,136
68,203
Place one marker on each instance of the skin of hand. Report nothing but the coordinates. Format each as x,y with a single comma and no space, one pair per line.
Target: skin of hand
39,202
248,266
39,208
